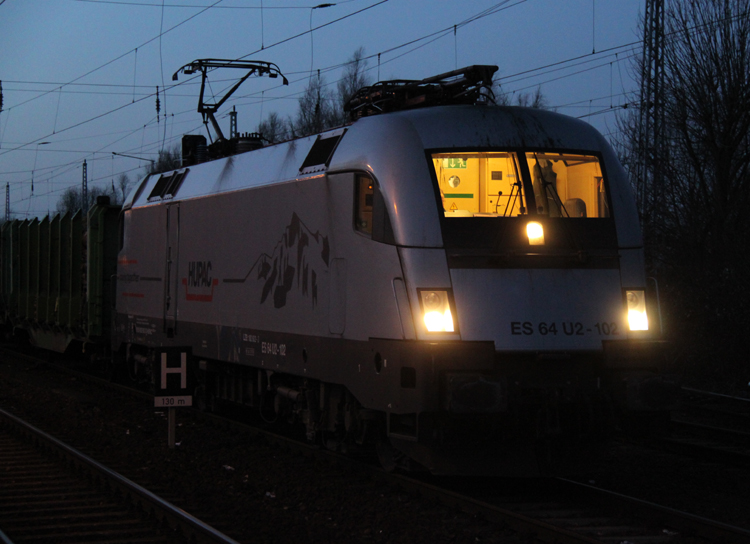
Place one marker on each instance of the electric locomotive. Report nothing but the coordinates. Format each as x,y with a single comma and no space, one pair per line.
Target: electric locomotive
453,282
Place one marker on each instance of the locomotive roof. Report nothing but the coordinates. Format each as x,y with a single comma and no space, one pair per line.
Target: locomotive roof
441,127
392,148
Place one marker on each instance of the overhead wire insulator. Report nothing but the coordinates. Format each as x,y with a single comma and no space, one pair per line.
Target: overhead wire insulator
158,105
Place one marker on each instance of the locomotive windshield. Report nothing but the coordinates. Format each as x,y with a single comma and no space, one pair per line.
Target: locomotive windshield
508,184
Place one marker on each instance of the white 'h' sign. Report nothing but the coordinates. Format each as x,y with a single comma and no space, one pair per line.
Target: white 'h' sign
182,370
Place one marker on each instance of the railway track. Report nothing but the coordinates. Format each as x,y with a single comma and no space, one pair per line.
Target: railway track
711,427
536,511
569,512
551,510
708,442
715,408
50,492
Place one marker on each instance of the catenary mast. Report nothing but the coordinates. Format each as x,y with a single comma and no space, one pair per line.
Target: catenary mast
651,147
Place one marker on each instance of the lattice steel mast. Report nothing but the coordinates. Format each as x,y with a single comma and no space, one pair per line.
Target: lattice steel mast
651,148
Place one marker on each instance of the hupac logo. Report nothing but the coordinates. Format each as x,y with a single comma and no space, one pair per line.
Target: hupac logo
199,284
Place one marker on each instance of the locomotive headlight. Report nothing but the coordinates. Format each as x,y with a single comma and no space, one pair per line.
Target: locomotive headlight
637,318
535,232
436,307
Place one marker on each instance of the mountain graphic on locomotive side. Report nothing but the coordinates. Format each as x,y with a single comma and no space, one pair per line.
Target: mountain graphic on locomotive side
456,284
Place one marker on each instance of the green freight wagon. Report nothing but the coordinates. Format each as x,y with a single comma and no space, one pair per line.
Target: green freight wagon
57,277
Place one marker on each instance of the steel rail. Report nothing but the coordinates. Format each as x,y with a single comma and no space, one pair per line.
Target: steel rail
542,530
721,445
712,531
712,394
712,432
168,514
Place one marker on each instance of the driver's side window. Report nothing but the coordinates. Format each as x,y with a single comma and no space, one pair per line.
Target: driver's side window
364,195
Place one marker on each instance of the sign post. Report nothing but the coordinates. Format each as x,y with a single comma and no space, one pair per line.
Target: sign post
173,385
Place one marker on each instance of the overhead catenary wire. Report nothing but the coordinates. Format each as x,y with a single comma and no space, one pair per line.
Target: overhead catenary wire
194,6
91,154
91,157
392,49
103,93
161,69
122,55
153,39
99,116
434,35
57,110
481,14
135,71
503,79
485,13
76,125
583,70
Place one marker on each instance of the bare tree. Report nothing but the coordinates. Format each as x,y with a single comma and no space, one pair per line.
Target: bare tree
315,111
526,100
532,100
273,128
122,185
169,159
703,225
320,108
352,80
71,200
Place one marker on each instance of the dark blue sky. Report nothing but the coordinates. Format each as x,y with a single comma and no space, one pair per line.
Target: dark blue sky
71,75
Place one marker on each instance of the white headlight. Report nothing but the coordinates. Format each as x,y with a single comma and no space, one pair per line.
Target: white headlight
535,232
437,311
637,317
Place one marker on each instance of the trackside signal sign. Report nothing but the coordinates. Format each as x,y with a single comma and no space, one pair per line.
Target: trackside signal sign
174,385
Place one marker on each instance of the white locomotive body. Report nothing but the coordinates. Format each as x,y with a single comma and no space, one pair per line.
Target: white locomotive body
380,281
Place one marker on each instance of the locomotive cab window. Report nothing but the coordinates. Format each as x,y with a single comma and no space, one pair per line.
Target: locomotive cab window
364,196
497,184
526,202
371,217
567,185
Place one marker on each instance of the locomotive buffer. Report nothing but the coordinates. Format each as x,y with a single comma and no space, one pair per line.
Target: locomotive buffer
173,384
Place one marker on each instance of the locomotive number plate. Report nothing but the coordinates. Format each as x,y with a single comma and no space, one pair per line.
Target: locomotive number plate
563,328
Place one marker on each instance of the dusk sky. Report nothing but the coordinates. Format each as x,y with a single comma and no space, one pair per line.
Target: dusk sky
79,76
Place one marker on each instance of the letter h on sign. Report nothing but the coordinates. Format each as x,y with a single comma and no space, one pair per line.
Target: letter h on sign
175,377
172,370
181,370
